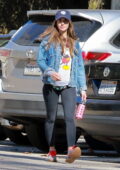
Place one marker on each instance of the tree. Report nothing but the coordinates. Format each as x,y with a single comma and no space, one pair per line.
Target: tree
95,4
13,12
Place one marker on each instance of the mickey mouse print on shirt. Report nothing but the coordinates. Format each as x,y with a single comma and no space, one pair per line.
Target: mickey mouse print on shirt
65,68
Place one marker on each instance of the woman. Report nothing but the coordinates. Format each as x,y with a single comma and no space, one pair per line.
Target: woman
63,74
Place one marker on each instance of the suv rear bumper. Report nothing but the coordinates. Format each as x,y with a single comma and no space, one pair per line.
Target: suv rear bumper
102,118
24,105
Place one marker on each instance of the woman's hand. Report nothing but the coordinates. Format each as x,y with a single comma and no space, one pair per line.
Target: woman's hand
55,76
83,96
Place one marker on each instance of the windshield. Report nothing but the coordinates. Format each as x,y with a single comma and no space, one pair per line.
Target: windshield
28,33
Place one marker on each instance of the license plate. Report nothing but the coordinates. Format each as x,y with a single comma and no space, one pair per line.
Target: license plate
107,87
32,69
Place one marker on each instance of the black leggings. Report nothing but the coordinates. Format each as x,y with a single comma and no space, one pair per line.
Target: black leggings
68,97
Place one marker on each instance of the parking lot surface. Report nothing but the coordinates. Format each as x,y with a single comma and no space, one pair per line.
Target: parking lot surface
13,157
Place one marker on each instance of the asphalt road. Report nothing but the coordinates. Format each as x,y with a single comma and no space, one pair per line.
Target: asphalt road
13,157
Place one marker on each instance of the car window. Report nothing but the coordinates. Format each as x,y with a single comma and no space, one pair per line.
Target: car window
4,38
84,29
3,42
116,40
29,32
32,29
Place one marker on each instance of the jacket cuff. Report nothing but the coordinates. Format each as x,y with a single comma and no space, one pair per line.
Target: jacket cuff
48,72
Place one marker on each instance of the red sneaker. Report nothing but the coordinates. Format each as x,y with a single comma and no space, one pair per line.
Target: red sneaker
52,156
73,154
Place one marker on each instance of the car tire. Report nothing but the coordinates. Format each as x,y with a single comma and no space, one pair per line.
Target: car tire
2,133
36,135
96,144
17,136
116,146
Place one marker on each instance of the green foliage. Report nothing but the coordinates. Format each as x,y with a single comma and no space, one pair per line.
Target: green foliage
13,12
96,4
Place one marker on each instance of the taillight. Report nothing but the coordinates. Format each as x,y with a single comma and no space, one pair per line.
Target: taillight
95,56
83,54
5,53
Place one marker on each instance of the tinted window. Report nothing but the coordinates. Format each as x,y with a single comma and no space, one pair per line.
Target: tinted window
84,29
29,32
4,38
32,29
116,40
3,42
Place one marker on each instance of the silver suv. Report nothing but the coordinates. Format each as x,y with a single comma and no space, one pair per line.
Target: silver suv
21,97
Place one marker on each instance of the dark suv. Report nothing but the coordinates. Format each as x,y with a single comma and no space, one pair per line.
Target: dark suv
21,99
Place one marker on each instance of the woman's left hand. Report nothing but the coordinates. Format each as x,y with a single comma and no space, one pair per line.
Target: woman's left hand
83,96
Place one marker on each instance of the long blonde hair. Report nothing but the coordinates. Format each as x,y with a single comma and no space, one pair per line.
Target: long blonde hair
56,38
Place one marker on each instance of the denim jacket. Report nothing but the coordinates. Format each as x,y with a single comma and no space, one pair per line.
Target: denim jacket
48,60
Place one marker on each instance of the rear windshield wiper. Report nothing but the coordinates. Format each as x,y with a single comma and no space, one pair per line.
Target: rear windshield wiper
37,40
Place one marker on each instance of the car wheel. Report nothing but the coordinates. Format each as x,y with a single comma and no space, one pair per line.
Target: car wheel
96,144
2,133
36,135
116,146
17,136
